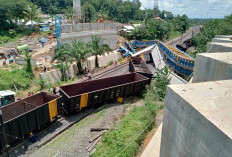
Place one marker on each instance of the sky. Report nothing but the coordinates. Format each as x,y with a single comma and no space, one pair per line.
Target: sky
193,8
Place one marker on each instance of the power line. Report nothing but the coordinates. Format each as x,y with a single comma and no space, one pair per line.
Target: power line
135,138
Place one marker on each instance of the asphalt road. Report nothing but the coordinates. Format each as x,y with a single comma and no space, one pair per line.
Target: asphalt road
188,35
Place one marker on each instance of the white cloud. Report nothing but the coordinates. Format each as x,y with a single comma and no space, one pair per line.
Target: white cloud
194,8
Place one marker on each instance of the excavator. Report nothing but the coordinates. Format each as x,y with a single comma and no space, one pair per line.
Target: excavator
101,20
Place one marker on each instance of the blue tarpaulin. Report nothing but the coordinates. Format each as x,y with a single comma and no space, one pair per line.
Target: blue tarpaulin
43,40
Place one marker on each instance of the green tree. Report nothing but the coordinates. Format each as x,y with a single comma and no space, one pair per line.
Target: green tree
98,48
63,67
27,56
10,13
210,29
76,52
32,12
69,13
88,11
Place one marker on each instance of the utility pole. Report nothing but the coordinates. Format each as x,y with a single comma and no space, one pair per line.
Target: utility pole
77,11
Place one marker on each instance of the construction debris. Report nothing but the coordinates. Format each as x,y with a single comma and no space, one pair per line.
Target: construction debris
95,137
102,129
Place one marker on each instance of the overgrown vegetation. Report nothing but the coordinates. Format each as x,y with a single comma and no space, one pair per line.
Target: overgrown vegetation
151,30
98,48
197,22
124,141
14,35
210,29
18,78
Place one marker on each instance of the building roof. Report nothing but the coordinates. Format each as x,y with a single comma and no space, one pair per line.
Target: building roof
6,93
129,27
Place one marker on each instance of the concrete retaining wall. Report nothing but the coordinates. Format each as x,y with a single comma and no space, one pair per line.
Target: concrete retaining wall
69,28
212,67
197,120
55,75
21,61
222,40
109,36
219,47
103,60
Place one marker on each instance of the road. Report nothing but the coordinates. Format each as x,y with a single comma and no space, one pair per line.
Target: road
188,35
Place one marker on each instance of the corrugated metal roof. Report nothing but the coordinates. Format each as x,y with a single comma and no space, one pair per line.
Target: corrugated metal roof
6,93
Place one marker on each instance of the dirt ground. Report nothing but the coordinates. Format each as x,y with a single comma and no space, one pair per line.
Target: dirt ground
74,141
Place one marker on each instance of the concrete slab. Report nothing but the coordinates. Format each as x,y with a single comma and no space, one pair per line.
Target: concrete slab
78,27
223,36
94,26
86,27
222,40
67,28
219,47
110,37
101,26
197,120
212,67
113,26
107,26
153,148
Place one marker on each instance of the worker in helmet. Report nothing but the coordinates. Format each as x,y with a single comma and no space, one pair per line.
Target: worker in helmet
33,137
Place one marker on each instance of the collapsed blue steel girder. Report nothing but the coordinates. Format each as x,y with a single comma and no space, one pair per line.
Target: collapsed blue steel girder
182,64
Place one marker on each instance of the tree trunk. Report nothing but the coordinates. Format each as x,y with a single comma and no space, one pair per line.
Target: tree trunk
79,66
96,62
29,68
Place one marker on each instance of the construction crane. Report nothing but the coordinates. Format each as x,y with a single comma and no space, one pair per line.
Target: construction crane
156,8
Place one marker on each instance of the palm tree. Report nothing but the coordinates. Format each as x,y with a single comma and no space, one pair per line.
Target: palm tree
27,56
98,48
63,67
76,52
31,12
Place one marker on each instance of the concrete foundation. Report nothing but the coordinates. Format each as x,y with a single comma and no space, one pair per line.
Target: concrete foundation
221,43
109,36
67,28
80,27
219,47
222,40
197,120
223,36
55,75
212,67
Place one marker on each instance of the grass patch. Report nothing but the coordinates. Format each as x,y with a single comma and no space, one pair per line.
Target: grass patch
132,129
14,35
17,77
174,34
110,63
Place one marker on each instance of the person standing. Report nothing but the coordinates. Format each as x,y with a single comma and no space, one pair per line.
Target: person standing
89,76
54,89
45,69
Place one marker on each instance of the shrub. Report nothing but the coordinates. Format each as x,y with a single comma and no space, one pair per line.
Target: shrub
124,141
110,63
16,78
